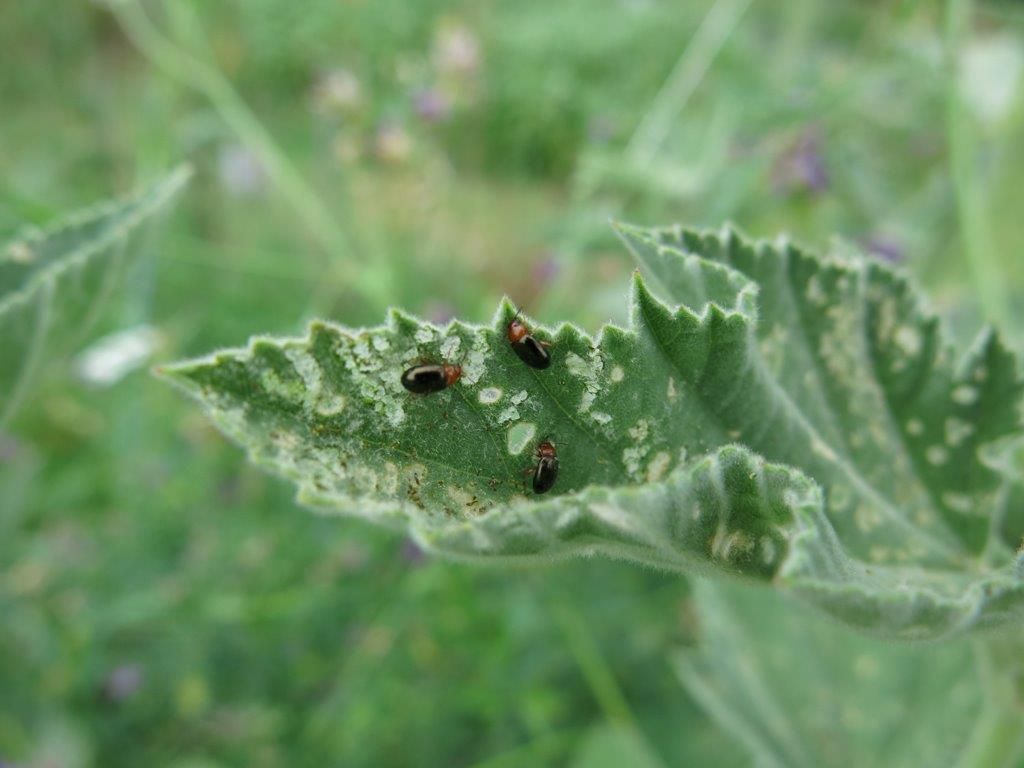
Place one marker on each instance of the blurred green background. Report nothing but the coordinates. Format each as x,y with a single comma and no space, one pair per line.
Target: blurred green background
162,603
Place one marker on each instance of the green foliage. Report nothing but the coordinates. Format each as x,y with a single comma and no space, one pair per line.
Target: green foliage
133,537
827,367
798,691
54,282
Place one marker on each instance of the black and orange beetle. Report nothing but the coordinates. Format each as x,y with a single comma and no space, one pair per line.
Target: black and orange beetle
546,471
532,352
431,377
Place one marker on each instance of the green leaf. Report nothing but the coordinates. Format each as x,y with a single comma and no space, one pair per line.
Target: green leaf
914,450
54,282
687,442
797,691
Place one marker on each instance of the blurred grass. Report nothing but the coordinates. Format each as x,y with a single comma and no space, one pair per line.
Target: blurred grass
163,603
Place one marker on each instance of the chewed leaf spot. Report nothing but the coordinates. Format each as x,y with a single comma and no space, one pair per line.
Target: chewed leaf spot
285,441
640,430
388,482
461,498
589,371
937,454
489,395
768,550
377,386
657,466
476,361
617,374
957,430
331,405
520,397
307,368
519,436
318,396
450,348
965,395
509,414
634,455
908,339
959,502
273,383
577,367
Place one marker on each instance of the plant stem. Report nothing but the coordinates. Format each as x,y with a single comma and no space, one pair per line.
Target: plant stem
369,283
596,671
684,79
976,234
686,76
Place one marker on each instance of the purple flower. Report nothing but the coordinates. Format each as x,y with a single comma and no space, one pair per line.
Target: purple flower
432,105
801,166
601,129
412,553
123,682
8,451
240,171
439,312
884,247
545,270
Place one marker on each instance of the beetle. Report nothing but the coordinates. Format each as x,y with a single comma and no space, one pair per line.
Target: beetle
531,351
546,471
430,377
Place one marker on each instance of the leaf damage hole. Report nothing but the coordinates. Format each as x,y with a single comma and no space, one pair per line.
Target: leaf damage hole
519,436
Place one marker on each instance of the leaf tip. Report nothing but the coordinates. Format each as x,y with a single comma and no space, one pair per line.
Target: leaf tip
401,322
507,309
621,227
638,288
167,187
178,375
630,234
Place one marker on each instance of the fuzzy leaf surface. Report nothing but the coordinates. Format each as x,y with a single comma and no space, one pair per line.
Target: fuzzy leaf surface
798,691
688,441
917,452
54,282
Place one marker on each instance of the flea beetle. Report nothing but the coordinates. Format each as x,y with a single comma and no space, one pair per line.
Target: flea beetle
532,352
546,471
424,379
